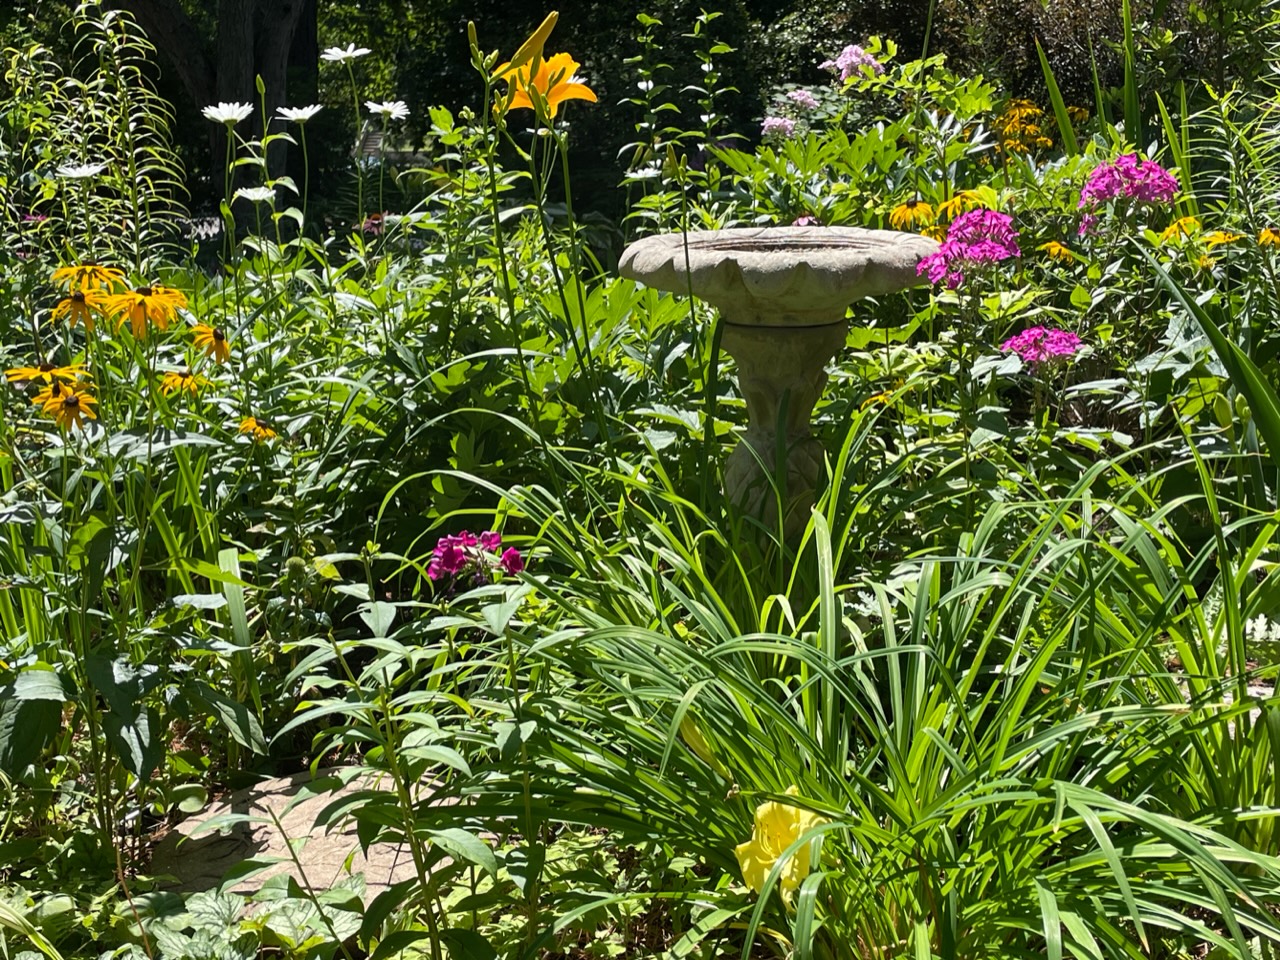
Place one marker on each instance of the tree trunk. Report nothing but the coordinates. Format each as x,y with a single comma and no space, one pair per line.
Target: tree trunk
279,21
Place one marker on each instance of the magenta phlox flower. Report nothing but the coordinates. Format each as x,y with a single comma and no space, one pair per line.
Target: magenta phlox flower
806,221
1039,345
975,240
1129,176
778,127
478,554
850,61
803,99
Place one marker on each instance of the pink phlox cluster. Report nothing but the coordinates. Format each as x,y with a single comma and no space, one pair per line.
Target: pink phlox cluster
850,61
1037,345
978,238
778,126
467,552
803,99
806,221
1132,177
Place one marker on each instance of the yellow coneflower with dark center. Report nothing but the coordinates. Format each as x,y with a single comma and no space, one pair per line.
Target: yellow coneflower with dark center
1078,115
80,305
45,373
1219,237
1182,227
257,429
70,404
961,202
212,341
146,305
912,213
88,276
174,382
1057,251
935,232
1019,128
1269,237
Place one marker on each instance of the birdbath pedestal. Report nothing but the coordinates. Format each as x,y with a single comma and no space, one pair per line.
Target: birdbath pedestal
782,293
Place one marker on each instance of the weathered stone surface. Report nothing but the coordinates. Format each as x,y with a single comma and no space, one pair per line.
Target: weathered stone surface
199,860
779,276
782,293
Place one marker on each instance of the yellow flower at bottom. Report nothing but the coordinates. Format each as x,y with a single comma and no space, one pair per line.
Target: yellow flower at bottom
910,214
1221,236
213,341
777,826
1182,227
69,403
256,429
1269,237
174,382
144,306
1057,251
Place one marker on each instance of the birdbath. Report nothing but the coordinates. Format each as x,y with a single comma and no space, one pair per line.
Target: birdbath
782,293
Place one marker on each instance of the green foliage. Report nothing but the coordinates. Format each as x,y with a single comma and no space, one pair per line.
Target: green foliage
1016,664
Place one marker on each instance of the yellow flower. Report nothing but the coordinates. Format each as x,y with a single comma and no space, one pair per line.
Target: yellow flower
257,429
1078,115
884,396
1182,227
1221,236
530,50
1269,237
962,202
69,403
174,382
777,826
154,304
213,341
77,306
553,80
45,372
909,214
1057,251
1205,262
88,276
936,232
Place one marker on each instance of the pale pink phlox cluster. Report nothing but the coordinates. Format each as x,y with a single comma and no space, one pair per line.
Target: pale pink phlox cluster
850,61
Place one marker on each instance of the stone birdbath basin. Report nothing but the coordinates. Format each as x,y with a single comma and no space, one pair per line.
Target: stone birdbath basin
782,293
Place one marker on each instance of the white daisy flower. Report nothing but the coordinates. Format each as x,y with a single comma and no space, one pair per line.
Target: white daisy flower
339,55
388,109
228,113
299,114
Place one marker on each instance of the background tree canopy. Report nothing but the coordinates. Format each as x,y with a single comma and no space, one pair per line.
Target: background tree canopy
213,50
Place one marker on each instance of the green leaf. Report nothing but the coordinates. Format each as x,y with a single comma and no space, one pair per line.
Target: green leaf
1065,128
394,944
462,845
137,740
378,616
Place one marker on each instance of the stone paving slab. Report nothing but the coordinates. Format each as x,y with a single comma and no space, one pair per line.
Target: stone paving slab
198,860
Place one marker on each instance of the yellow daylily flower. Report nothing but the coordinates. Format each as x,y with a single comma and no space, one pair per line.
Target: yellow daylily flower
531,50
553,80
777,826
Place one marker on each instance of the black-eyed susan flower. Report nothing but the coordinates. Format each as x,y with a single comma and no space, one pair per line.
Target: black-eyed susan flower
178,381
1057,251
1078,115
146,305
1269,237
69,404
257,429
78,306
912,213
88,276
1182,227
960,202
1219,237
936,232
45,373
212,341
